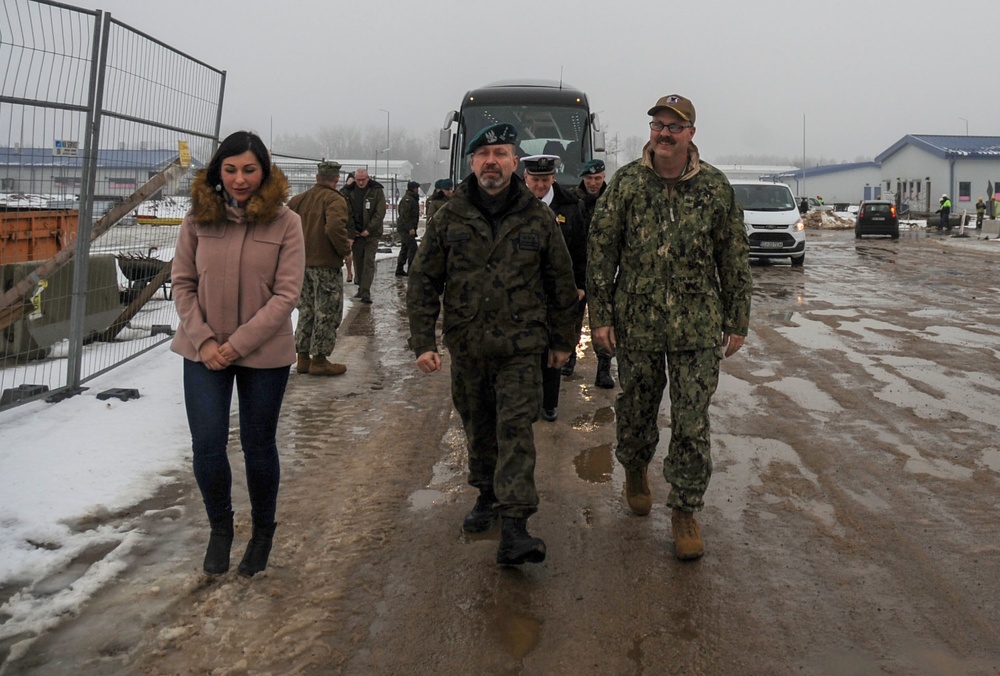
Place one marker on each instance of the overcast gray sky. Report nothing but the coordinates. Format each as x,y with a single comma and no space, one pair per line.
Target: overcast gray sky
857,74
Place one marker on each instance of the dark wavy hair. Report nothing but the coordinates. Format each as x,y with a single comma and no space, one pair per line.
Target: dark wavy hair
238,143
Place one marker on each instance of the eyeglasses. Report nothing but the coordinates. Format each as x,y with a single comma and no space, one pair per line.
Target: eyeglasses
673,127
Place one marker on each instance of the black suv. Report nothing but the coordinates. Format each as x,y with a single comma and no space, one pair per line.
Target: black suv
877,217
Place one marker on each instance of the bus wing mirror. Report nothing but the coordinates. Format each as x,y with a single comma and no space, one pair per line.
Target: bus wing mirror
444,136
595,124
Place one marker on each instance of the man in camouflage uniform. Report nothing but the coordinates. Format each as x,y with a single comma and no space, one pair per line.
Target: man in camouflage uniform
669,276
497,256
323,211
366,205
443,190
590,189
407,218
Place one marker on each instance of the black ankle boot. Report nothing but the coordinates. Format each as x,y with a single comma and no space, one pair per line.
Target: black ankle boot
258,549
604,379
483,513
516,546
567,369
219,544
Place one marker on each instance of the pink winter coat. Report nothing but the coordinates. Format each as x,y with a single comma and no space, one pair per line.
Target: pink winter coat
237,274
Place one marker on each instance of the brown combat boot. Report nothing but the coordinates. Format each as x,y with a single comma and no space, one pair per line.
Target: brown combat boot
637,493
688,544
321,367
302,362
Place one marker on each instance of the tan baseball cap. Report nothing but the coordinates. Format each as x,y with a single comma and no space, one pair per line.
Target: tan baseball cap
676,103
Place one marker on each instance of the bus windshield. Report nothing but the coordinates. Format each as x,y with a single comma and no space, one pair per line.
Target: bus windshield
550,130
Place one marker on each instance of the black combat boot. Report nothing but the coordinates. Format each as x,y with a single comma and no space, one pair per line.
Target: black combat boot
604,379
220,542
258,549
483,513
567,369
516,546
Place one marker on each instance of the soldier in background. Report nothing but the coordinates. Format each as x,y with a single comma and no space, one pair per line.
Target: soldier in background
591,187
407,218
443,190
366,205
669,281
495,254
349,258
540,177
323,211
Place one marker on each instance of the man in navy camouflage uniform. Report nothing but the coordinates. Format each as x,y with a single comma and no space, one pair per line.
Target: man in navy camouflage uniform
321,306
496,255
668,279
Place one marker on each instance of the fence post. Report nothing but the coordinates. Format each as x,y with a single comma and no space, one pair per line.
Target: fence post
81,267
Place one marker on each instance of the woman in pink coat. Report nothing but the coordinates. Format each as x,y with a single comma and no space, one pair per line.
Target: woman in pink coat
236,277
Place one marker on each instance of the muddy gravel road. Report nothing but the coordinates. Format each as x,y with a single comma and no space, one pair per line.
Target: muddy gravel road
851,526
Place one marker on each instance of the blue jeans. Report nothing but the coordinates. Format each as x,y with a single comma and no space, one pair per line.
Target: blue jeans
207,397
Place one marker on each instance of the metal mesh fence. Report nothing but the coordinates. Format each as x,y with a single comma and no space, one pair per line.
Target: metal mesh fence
102,130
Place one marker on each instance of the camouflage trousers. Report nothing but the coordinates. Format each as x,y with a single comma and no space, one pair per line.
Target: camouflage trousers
693,376
497,399
321,308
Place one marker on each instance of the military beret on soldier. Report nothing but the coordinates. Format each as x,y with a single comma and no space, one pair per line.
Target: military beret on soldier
541,165
446,184
495,134
591,167
328,168
412,185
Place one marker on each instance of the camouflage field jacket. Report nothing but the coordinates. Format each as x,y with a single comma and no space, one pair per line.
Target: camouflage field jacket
668,267
508,294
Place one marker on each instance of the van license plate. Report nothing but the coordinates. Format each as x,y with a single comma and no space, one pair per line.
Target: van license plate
771,245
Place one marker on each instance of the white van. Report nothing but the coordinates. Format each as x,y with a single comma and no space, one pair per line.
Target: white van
772,220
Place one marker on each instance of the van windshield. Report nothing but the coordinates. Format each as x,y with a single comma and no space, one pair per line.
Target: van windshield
764,197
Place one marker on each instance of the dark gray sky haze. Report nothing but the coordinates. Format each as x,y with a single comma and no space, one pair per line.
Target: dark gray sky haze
858,75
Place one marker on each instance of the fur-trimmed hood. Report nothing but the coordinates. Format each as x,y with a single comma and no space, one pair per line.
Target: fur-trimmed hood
209,207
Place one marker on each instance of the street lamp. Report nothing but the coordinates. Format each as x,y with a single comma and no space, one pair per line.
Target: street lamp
386,143
385,152
966,125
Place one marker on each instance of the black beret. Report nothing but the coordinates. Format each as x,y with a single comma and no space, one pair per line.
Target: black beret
495,134
594,166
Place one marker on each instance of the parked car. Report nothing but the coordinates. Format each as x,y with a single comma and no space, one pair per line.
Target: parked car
771,216
811,204
876,217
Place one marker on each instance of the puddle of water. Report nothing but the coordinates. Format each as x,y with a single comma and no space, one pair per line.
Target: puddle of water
425,498
595,465
587,423
76,569
604,415
516,630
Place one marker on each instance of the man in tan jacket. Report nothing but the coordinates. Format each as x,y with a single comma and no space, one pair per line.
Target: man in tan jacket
321,306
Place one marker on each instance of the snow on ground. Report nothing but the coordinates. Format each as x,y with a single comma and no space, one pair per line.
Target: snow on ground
64,464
